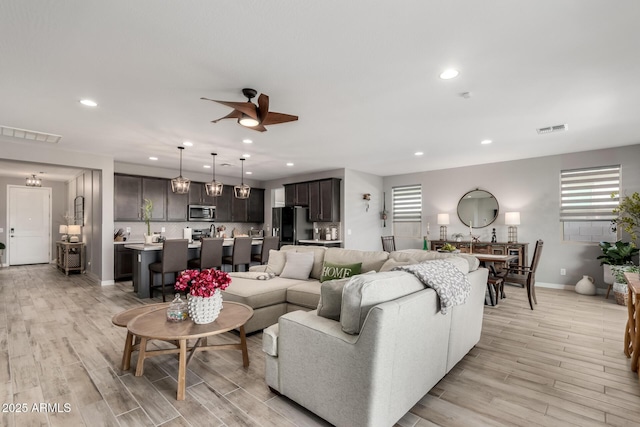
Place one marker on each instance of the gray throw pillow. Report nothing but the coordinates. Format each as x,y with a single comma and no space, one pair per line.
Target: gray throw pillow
330,302
298,265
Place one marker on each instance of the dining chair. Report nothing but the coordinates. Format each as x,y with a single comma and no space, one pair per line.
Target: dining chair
495,285
174,260
388,243
241,253
529,272
268,243
210,254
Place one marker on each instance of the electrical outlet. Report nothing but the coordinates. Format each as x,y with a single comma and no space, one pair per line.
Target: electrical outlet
1,230
563,272
162,230
128,229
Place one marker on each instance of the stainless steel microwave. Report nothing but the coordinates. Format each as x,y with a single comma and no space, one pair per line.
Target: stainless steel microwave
201,213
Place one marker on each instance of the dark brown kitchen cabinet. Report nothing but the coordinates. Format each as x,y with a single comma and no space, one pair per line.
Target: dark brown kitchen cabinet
255,211
176,204
155,189
239,209
324,200
127,191
223,204
198,195
122,263
296,194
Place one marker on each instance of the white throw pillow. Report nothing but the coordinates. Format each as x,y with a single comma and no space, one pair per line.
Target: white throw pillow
298,265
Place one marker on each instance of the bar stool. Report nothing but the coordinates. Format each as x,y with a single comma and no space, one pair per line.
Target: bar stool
174,260
241,253
210,254
268,243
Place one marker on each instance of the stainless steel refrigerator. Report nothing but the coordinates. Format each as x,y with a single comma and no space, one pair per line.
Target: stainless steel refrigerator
291,224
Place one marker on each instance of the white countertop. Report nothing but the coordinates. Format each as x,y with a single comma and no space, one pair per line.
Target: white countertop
158,246
128,242
320,242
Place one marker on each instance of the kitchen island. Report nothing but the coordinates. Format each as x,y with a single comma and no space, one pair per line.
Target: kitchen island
144,255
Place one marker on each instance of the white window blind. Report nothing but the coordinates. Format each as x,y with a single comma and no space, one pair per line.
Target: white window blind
585,194
407,203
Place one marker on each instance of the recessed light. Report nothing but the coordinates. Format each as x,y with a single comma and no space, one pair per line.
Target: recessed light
188,144
246,156
88,103
248,173
206,166
449,74
486,141
247,141
418,153
153,158
289,164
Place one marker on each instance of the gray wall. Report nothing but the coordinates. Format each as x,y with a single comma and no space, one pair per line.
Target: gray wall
531,187
58,209
362,228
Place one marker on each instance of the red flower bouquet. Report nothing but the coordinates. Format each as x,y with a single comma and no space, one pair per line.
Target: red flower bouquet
202,283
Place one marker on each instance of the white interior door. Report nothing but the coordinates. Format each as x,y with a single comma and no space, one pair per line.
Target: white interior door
29,225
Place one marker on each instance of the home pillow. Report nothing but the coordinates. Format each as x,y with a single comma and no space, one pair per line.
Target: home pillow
298,265
330,302
332,271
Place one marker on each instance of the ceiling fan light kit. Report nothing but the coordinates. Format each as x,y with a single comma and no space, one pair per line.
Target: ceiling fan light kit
180,185
242,191
252,116
214,188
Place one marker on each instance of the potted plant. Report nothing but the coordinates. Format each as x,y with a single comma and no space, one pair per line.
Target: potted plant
619,253
147,213
204,296
620,284
628,212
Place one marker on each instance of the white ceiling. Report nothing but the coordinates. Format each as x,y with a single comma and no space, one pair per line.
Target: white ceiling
361,75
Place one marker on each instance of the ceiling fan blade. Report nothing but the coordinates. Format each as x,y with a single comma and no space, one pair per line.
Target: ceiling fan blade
247,108
263,106
235,114
259,128
275,118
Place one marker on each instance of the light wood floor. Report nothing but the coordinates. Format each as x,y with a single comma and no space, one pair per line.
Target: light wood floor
561,364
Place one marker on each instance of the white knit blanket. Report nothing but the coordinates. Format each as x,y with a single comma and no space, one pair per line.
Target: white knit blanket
255,275
451,285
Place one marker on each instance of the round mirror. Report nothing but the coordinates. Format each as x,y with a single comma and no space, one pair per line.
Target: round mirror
478,208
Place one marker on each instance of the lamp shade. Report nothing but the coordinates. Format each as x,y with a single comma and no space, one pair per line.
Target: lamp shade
62,229
74,229
443,219
512,218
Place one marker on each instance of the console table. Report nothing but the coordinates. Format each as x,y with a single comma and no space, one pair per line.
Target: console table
632,330
521,250
70,256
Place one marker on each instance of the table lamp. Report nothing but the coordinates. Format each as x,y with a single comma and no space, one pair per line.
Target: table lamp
512,219
443,221
63,230
74,231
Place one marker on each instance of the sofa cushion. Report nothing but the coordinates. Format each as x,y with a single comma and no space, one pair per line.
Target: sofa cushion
304,294
318,258
415,256
390,264
363,292
258,293
330,302
332,271
298,265
276,262
371,260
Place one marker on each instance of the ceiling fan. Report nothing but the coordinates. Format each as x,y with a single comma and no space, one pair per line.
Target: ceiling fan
252,116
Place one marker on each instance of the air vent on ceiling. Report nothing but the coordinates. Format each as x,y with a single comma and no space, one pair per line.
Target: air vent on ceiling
556,128
30,135
226,164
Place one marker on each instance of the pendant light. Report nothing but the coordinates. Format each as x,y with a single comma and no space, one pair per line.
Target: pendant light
180,185
242,191
33,181
214,188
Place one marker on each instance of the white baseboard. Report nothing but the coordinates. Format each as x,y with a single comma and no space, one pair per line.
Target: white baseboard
599,291
107,282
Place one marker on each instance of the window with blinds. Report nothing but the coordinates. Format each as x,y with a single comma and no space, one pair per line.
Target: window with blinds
586,204
407,210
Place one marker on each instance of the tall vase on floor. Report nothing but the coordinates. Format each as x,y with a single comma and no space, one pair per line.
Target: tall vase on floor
203,310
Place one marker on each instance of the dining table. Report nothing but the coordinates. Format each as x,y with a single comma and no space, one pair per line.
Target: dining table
146,254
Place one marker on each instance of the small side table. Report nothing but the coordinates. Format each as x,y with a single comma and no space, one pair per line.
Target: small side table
632,331
70,256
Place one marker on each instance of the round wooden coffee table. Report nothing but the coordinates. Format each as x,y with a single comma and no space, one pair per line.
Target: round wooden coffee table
153,325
